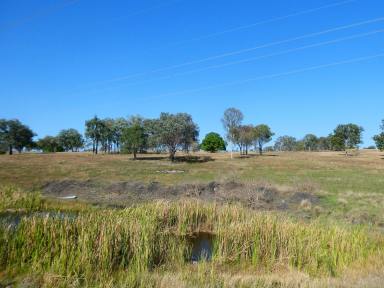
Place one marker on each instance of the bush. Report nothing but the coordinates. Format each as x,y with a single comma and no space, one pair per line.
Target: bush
213,142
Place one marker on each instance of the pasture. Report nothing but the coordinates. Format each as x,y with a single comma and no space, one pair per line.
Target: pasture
283,219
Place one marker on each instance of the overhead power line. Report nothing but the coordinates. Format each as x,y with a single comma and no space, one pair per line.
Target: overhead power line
245,50
275,75
44,12
267,21
251,59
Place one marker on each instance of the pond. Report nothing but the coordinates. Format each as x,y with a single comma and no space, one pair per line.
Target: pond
202,246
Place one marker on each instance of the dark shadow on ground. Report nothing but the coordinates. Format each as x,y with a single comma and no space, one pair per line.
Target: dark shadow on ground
254,155
194,159
152,158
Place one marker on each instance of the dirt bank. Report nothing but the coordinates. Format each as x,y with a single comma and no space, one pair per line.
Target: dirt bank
256,196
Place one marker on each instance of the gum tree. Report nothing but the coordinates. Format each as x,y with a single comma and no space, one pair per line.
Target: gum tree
15,135
262,135
70,139
347,136
232,120
176,132
379,139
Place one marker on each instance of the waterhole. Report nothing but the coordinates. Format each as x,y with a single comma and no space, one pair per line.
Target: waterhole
202,246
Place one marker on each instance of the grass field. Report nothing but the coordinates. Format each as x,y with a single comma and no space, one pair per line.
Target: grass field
335,241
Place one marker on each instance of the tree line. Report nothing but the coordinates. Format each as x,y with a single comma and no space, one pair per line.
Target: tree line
174,132
245,136
344,136
169,132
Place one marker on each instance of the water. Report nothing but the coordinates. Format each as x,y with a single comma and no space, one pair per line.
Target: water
12,220
202,246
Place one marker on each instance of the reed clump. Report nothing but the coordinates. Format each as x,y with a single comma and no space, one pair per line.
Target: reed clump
16,198
98,244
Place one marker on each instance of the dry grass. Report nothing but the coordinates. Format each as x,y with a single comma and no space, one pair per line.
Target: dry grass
358,181
350,188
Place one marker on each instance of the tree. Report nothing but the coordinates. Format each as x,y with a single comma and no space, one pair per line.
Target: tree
134,138
176,131
324,143
93,131
243,136
310,142
337,142
107,134
118,127
213,143
262,135
15,135
70,139
285,143
346,136
379,139
231,120
49,144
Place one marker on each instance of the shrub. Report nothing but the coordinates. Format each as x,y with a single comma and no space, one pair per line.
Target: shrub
213,142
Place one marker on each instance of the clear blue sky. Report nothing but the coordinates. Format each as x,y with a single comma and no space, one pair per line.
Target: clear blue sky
62,62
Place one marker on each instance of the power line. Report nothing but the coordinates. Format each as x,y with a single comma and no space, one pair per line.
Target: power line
247,60
267,21
275,75
159,5
44,12
241,51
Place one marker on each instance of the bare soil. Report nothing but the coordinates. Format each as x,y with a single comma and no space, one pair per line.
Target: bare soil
256,196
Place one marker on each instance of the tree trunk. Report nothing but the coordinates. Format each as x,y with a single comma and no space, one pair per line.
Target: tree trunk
96,146
10,150
134,153
172,153
260,150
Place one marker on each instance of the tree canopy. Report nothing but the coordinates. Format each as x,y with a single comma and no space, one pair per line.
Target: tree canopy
70,140
231,120
285,143
310,142
176,132
379,139
49,144
262,135
213,142
15,135
134,138
346,136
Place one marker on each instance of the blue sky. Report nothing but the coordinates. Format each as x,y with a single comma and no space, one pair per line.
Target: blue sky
299,66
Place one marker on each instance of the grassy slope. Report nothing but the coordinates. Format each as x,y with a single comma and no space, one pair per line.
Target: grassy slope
349,186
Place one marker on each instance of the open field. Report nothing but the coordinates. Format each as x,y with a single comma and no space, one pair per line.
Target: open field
349,187
295,219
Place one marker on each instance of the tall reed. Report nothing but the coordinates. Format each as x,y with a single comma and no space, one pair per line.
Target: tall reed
98,244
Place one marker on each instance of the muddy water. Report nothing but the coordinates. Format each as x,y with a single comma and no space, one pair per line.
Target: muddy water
12,220
202,246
